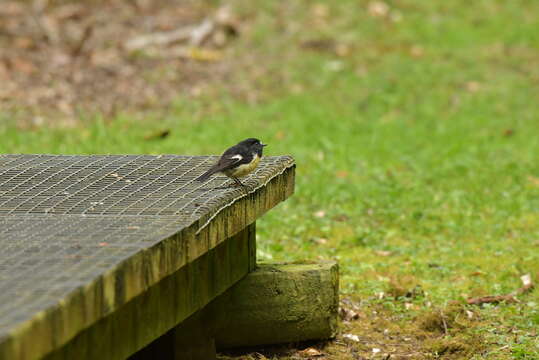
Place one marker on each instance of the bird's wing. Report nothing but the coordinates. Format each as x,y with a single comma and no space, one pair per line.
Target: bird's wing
224,163
228,161
232,157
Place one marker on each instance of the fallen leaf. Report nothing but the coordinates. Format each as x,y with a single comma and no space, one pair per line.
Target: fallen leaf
320,241
473,86
351,337
341,174
280,135
342,50
526,280
161,134
103,244
416,51
375,350
508,132
296,88
477,273
320,10
183,52
320,214
200,54
378,9
383,253
260,356
533,180
310,352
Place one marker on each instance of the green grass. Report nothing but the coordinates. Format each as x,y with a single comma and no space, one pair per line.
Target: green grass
432,157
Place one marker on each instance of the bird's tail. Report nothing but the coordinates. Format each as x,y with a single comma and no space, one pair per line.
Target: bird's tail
207,174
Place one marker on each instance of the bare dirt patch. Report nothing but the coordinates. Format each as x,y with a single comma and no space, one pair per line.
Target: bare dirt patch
68,57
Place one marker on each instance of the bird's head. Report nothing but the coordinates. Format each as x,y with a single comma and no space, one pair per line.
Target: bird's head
253,144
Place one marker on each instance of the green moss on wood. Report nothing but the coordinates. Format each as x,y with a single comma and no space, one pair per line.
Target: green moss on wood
277,304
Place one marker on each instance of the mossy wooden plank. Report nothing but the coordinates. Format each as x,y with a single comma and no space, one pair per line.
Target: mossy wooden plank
163,305
193,339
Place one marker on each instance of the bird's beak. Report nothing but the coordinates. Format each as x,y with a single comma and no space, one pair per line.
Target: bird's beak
264,145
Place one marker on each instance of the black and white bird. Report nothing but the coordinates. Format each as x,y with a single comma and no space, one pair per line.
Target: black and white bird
237,161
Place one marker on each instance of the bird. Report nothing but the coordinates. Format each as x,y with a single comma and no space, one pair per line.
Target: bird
237,161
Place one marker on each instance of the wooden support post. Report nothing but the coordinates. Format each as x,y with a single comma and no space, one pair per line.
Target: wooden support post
279,303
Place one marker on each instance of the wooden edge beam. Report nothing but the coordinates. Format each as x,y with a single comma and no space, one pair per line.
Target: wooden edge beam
163,306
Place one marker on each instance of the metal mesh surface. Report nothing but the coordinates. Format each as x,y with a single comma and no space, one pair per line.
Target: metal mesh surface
64,220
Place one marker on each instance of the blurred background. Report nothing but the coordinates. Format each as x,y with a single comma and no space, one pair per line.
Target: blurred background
414,125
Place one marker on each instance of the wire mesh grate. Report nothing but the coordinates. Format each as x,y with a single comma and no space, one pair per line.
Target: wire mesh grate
64,220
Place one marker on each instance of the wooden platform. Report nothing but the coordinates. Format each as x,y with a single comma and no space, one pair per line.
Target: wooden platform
103,254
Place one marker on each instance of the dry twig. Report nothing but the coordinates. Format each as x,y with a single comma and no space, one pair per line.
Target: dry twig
195,35
527,285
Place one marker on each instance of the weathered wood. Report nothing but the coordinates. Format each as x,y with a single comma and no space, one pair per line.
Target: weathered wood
194,340
141,276
191,340
278,303
164,305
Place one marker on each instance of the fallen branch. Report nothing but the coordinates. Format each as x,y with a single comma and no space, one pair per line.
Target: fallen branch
492,299
195,35
527,285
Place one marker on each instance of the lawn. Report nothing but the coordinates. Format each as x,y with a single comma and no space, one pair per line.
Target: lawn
414,125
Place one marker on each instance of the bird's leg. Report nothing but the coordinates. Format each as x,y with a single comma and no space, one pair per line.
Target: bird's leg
238,182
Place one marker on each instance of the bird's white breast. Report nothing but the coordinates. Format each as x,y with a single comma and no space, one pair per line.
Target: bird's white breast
245,169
